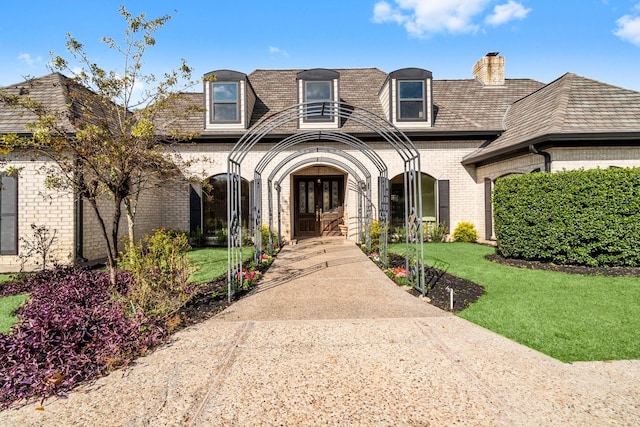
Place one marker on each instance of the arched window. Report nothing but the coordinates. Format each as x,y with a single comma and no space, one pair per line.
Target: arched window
429,203
214,204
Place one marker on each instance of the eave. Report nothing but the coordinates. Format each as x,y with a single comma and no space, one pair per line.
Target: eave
368,136
550,140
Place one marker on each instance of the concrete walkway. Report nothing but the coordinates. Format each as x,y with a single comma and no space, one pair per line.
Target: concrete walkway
328,339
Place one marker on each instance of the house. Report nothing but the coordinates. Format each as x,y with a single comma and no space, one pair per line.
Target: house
319,136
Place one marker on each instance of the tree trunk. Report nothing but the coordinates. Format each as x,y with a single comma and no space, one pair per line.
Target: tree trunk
117,214
131,215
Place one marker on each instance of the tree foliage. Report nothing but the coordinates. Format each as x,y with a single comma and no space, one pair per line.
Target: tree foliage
104,145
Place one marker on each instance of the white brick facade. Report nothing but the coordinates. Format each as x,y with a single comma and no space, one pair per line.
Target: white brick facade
39,206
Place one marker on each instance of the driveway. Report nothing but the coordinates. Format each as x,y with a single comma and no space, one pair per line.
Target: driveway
328,339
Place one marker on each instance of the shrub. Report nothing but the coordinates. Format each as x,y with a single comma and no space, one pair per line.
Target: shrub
436,232
198,239
582,217
264,232
222,237
38,246
161,269
465,232
70,331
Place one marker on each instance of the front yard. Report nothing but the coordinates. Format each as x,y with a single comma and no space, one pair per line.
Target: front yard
567,316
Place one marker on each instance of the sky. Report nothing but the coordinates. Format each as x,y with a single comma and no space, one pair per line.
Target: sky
540,39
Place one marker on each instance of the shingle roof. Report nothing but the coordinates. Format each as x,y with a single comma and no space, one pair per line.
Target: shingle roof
568,106
50,90
469,105
460,105
57,94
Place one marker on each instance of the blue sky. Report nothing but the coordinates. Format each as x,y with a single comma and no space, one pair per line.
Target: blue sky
599,39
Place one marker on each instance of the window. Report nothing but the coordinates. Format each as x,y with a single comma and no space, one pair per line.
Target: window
214,209
319,91
224,102
429,205
9,216
411,100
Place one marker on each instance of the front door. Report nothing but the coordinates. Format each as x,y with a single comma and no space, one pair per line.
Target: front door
318,205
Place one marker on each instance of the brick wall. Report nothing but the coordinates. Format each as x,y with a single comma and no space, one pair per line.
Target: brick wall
440,160
39,206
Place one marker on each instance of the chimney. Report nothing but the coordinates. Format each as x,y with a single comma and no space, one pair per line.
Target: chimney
489,70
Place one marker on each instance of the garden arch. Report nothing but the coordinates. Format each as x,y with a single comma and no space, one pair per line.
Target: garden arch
340,137
363,189
374,123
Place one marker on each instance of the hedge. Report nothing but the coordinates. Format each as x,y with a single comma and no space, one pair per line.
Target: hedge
584,217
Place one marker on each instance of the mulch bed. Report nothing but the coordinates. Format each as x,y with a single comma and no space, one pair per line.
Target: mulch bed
465,292
571,269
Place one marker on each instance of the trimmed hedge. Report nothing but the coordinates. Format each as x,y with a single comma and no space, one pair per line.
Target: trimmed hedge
584,217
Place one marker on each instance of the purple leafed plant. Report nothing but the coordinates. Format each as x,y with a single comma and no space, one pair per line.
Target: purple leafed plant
73,329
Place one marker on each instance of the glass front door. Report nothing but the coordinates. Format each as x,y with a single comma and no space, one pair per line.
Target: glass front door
319,205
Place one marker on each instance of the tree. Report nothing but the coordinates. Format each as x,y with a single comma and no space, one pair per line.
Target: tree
104,145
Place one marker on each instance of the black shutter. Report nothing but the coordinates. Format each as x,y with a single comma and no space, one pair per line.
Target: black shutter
195,210
488,210
443,203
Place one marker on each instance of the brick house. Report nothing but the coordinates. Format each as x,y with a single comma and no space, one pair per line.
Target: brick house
468,133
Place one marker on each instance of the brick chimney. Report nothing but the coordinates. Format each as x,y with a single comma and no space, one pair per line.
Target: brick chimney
489,70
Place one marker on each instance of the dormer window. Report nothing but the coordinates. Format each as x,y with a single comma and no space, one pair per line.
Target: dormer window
406,98
224,101
229,100
318,92
411,100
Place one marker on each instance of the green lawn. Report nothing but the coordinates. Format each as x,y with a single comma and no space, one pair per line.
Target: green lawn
211,263
569,317
7,306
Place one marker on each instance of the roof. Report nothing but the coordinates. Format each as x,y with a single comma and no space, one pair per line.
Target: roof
58,94
459,105
521,112
570,107
51,90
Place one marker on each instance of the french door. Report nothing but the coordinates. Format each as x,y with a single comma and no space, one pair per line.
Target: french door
318,205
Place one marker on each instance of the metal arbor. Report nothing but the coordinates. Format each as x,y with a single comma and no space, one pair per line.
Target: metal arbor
388,133
288,142
363,190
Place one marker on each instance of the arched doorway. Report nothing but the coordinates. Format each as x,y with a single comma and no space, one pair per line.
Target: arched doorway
397,202
318,208
214,205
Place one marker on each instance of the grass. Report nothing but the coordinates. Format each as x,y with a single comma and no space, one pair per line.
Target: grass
568,317
211,262
7,306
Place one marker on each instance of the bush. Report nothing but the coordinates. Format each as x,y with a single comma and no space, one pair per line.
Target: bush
465,232
161,269
70,331
222,238
198,239
436,232
583,217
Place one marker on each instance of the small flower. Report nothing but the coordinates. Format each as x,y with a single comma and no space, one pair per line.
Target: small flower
400,272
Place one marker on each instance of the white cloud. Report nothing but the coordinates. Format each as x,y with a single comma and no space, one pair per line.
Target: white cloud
29,60
422,18
277,51
629,29
507,12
